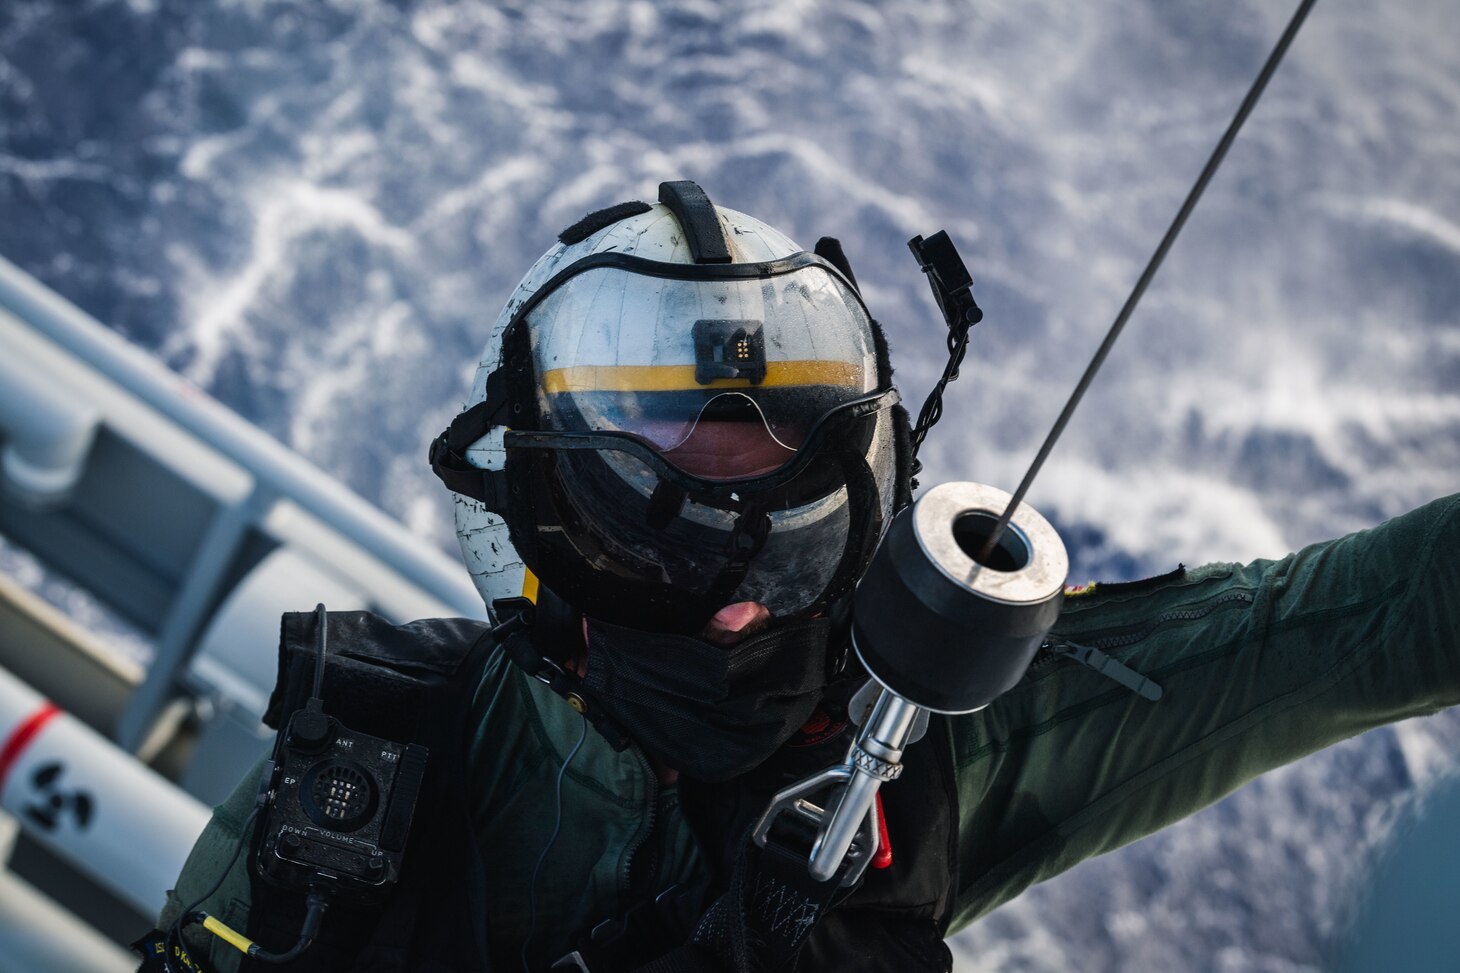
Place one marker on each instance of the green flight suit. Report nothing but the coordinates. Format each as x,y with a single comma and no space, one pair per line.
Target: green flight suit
1258,665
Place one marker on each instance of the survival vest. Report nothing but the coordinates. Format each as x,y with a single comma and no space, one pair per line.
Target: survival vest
412,683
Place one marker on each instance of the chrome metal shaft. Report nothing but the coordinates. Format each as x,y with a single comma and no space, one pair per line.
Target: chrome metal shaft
874,758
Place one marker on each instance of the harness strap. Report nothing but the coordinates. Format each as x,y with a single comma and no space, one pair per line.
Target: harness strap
514,635
758,925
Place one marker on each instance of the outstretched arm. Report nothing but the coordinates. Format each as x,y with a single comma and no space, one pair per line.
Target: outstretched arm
1259,664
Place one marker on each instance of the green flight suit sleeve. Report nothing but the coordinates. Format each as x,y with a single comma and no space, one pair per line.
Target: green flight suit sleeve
1259,664
205,864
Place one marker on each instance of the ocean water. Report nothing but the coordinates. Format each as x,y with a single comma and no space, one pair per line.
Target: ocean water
314,211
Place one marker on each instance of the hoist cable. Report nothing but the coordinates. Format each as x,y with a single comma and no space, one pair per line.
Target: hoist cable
1213,163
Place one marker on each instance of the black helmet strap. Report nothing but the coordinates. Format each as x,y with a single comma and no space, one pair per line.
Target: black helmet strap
502,406
698,219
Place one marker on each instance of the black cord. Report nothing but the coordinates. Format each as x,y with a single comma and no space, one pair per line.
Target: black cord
174,932
932,409
315,907
322,618
314,911
1218,154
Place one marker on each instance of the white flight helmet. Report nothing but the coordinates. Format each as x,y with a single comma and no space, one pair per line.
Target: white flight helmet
678,409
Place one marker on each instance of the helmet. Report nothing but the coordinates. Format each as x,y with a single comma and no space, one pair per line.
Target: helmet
678,409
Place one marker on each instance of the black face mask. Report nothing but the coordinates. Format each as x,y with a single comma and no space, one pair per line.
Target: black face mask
711,713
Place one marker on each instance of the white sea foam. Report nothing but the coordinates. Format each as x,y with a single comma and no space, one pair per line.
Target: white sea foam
1402,215
286,211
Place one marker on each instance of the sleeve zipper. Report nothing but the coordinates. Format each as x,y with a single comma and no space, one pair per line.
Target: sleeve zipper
1092,657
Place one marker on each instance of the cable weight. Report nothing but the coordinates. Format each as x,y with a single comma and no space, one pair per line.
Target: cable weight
941,624
942,627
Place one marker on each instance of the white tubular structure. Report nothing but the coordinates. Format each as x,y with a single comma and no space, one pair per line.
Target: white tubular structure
48,429
90,802
38,936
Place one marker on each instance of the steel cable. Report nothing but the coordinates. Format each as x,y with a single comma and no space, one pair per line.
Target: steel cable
1213,163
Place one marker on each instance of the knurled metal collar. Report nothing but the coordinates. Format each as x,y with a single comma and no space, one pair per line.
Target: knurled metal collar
875,766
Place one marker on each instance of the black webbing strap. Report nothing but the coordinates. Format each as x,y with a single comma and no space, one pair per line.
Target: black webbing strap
487,486
698,219
447,454
830,249
761,922
514,635
758,925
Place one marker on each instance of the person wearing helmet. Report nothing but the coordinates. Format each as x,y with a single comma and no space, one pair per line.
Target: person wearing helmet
701,415
680,451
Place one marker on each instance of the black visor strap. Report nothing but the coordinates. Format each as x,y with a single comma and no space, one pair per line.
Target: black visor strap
698,219
644,267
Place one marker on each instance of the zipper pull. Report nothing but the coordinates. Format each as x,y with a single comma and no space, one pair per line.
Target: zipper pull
1093,658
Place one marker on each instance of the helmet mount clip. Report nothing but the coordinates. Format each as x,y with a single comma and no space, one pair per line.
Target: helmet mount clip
729,349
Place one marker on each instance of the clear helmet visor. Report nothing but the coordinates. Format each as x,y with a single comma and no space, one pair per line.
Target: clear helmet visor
724,378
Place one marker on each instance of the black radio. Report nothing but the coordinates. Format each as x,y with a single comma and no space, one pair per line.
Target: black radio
340,808
337,809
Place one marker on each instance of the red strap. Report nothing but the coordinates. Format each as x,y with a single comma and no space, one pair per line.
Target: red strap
21,738
883,858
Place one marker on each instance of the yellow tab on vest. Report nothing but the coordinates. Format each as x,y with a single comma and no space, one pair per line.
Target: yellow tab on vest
237,940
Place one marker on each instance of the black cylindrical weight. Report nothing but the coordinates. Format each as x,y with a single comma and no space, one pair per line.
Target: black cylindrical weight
941,629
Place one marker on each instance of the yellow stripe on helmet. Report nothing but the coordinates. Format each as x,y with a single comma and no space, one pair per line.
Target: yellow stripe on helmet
680,378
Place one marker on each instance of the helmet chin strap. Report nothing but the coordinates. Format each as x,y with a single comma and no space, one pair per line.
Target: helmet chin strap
557,627
544,647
